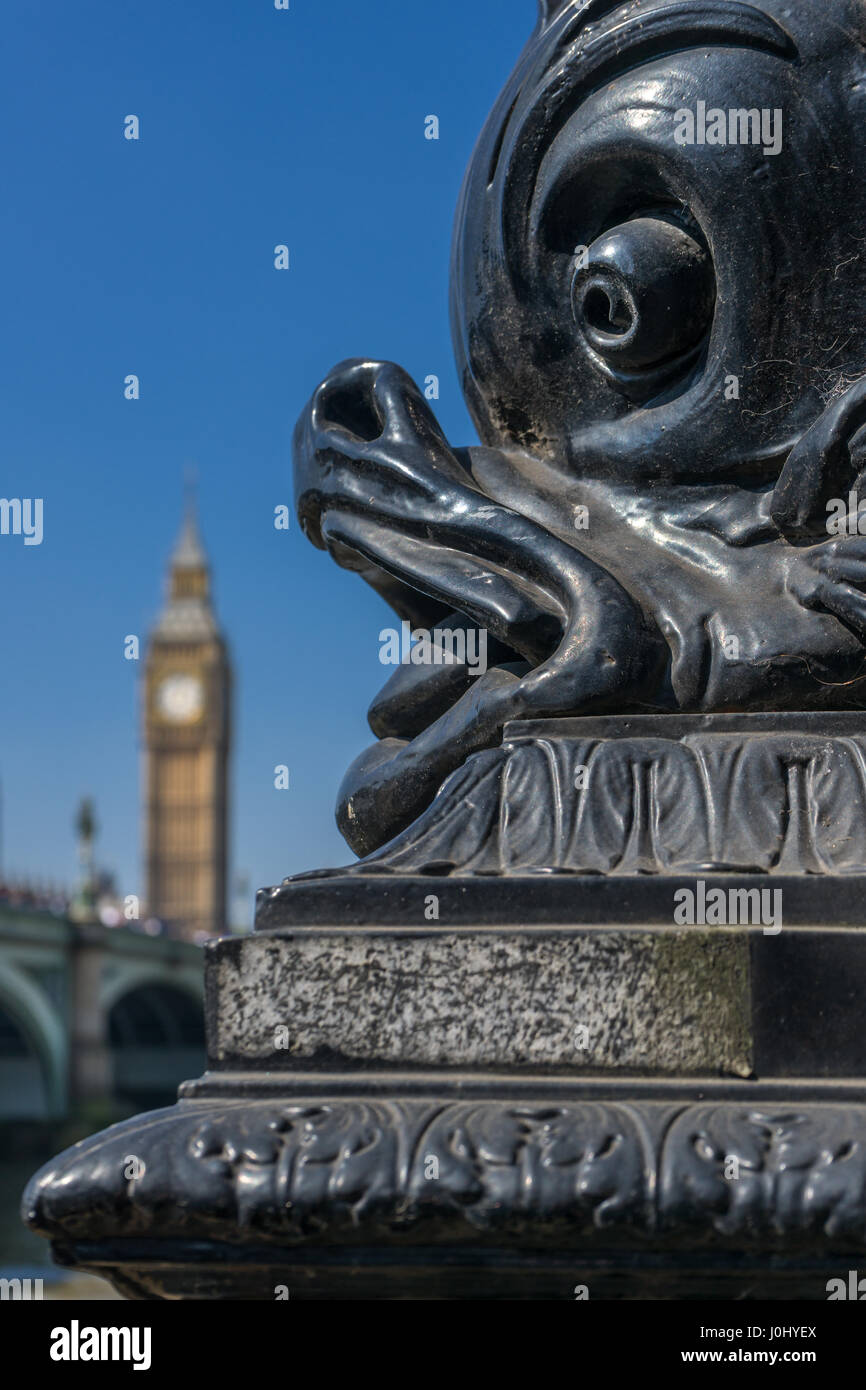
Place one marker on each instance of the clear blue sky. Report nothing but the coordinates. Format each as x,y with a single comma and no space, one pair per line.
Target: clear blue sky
258,127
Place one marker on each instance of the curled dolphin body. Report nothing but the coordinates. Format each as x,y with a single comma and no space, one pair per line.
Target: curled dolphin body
663,345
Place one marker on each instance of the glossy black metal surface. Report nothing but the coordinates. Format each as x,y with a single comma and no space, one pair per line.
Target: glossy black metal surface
662,346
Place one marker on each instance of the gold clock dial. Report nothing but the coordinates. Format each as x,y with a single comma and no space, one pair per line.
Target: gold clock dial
180,698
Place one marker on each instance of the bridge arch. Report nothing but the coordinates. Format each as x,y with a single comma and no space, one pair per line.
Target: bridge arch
137,976
28,1012
155,1033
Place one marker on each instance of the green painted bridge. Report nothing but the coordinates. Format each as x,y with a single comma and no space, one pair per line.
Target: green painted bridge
91,1013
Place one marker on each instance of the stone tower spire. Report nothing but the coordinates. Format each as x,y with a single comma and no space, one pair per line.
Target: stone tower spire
187,736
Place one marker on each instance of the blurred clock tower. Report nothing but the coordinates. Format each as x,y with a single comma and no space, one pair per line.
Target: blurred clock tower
187,691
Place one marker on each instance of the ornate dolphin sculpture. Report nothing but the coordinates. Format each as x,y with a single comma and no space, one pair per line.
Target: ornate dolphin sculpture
660,332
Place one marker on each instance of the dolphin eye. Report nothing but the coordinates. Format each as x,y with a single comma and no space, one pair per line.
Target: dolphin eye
642,297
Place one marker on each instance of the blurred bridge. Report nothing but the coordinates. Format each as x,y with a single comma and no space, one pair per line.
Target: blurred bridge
91,1013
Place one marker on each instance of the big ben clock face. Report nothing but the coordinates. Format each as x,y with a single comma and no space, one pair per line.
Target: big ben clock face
180,698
